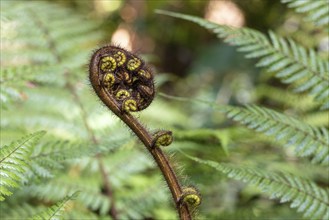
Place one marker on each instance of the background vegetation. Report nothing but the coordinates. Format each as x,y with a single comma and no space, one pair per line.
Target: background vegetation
60,148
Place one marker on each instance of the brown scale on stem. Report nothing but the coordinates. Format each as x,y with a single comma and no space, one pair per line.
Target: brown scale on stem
125,84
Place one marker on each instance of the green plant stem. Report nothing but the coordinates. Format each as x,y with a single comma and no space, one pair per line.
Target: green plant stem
107,185
147,139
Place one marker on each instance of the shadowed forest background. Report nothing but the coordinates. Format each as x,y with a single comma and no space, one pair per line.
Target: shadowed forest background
60,145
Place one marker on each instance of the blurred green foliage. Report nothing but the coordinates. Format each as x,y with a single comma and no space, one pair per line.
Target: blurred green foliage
45,49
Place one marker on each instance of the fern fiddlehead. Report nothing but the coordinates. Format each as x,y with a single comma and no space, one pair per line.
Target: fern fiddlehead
124,77
191,197
124,83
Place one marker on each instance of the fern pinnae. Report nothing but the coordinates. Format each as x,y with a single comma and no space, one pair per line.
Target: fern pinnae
316,11
13,159
89,195
304,195
55,211
276,54
308,140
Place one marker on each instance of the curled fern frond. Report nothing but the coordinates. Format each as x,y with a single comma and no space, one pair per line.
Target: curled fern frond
316,11
308,140
191,196
304,195
123,76
162,138
55,211
291,62
124,83
13,164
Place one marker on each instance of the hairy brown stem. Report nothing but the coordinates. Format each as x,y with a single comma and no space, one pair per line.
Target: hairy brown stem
147,139
107,185
125,84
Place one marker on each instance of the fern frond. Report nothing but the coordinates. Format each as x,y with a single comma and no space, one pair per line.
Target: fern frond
50,156
304,195
83,213
291,62
13,162
25,210
14,74
49,45
90,194
13,79
316,11
55,211
21,210
144,199
308,140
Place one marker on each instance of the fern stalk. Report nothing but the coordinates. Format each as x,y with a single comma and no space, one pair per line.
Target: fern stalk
112,71
158,155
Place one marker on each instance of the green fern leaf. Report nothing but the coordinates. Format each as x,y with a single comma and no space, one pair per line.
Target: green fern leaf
21,210
291,62
56,189
51,155
316,11
308,140
12,79
13,159
55,211
304,195
43,42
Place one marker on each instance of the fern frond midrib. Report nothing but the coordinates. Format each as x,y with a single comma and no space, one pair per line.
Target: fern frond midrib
14,151
58,209
323,142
